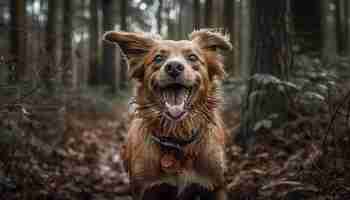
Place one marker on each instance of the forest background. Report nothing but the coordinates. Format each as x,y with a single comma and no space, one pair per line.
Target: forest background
64,94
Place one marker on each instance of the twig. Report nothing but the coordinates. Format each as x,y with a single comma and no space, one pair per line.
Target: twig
334,115
19,99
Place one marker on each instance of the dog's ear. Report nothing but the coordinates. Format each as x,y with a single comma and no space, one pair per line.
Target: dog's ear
135,46
213,44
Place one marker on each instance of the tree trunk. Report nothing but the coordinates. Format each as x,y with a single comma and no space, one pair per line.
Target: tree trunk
196,14
170,22
217,14
94,71
80,51
2,18
50,72
347,13
236,41
123,15
341,25
159,16
228,15
109,50
67,63
208,18
18,37
229,28
187,19
245,37
329,50
271,58
121,63
51,31
180,21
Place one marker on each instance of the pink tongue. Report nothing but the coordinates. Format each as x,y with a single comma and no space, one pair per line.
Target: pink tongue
175,110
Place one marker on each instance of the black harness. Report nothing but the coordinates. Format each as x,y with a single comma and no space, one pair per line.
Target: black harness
168,144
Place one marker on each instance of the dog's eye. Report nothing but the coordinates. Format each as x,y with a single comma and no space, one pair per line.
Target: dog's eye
158,59
192,58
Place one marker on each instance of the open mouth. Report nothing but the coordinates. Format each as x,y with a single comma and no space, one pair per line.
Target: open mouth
176,99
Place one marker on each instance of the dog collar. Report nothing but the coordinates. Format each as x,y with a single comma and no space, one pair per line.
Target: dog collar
176,144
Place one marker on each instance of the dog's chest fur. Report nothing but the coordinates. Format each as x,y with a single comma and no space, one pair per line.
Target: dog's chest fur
143,157
184,173
184,179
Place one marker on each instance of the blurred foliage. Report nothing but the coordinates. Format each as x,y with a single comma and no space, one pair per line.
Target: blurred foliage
311,84
308,156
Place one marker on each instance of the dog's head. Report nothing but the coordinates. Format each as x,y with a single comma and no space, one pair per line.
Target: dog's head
174,75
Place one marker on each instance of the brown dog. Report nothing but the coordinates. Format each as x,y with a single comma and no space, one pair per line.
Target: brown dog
175,147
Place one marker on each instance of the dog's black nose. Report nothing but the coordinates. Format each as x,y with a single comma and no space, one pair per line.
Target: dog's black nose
174,69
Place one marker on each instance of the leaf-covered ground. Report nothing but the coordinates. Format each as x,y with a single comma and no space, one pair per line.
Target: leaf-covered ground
83,163
296,161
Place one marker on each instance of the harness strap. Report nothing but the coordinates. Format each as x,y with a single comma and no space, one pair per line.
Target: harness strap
176,144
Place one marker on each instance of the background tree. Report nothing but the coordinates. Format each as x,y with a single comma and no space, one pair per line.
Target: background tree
80,47
341,25
50,72
208,17
171,34
347,25
180,33
245,38
236,36
124,8
67,59
271,60
329,30
110,68
123,15
196,14
18,37
159,16
94,68
229,28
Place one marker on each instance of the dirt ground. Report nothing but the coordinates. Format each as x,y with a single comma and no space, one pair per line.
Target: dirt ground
292,162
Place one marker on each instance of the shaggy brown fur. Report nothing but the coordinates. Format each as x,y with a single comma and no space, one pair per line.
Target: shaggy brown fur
158,174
